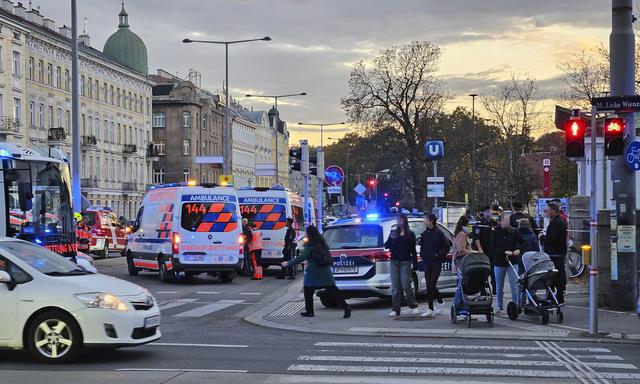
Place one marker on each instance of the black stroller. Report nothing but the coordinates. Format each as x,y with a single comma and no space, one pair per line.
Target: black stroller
539,274
474,271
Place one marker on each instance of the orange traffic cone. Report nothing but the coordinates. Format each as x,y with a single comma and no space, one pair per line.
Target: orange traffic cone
258,274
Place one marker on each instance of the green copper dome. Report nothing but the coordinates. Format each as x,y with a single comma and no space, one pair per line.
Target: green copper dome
127,48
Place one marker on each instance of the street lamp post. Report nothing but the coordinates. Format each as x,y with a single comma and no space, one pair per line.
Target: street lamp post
473,152
321,125
275,123
226,132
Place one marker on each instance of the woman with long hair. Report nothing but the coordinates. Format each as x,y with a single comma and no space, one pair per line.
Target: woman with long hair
317,274
402,244
460,249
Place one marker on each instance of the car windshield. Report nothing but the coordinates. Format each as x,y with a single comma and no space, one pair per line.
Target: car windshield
41,259
354,236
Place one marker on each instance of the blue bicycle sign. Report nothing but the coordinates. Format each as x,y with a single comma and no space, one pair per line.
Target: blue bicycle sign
632,156
334,175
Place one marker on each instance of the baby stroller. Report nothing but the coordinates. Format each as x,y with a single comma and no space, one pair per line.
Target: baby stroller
539,274
473,282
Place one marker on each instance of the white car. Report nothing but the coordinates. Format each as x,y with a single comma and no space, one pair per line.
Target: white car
54,309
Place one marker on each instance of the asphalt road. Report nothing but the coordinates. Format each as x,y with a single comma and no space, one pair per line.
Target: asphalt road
206,340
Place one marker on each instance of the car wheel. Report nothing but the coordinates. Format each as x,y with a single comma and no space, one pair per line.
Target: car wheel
105,251
327,301
54,337
166,276
226,277
131,268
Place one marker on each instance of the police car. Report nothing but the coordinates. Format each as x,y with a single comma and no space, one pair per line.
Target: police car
361,262
187,229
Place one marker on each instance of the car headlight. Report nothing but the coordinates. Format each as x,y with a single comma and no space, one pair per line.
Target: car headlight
102,300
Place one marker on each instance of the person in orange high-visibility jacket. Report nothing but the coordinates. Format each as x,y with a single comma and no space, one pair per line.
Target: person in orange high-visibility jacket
255,249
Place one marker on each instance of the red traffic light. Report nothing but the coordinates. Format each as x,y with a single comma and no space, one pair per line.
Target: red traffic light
574,130
372,182
386,195
397,203
613,136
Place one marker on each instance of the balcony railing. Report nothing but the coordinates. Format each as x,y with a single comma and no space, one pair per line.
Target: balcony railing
128,186
152,153
129,149
9,125
57,135
89,141
90,182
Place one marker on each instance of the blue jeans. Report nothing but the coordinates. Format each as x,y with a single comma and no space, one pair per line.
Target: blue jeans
500,273
401,282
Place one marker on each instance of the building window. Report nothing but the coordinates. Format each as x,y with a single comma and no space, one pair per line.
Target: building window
31,67
158,176
58,77
90,127
186,173
118,91
82,85
49,74
17,109
111,94
147,107
1,58
59,117
32,113
50,113
41,115
16,63
186,119
97,89
158,120
113,133
68,120
105,94
186,147
158,147
67,79
40,71
90,88
97,128
130,102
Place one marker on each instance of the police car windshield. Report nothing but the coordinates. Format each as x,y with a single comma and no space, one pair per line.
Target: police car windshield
354,236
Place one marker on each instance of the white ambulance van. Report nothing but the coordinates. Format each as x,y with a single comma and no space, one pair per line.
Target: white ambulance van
269,209
184,229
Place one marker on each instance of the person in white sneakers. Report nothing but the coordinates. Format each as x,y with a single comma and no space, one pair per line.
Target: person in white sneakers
402,244
433,249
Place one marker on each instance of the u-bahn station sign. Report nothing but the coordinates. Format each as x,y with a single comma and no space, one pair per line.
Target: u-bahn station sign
617,103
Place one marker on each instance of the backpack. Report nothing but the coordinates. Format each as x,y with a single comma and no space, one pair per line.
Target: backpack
322,257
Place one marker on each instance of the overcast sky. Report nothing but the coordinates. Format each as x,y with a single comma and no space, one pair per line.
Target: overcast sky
315,42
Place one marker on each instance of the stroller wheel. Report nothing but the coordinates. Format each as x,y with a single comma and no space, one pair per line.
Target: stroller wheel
544,319
512,310
560,316
454,314
490,319
468,321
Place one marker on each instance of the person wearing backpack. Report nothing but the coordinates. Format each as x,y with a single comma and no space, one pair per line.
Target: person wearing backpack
318,273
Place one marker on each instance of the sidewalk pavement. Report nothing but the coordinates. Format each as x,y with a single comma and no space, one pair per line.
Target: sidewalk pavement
369,318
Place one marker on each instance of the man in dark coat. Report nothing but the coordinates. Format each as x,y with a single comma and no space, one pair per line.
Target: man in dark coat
288,252
519,214
482,238
554,242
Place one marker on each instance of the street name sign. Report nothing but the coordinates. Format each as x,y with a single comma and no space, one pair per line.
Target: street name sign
617,103
435,179
334,190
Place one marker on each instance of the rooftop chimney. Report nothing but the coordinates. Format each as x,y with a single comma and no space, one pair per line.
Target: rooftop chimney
65,31
19,10
50,24
7,5
34,16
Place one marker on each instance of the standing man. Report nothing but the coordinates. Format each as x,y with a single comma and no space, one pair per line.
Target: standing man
255,249
481,236
519,214
247,268
289,251
554,242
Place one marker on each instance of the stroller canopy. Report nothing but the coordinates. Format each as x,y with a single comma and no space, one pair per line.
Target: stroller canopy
476,269
539,270
535,261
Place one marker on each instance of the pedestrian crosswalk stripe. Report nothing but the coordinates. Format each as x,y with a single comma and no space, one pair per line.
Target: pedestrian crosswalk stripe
207,293
209,308
177,303
511,355
451,346
550,374
429,360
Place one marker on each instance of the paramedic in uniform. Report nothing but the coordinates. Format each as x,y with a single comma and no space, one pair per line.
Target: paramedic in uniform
255,249
288,251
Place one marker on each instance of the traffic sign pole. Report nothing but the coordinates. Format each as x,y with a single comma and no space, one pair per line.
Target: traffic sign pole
435,174
593,232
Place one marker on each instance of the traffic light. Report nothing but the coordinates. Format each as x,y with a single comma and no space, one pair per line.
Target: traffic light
574,130
295,159
613,136
373,182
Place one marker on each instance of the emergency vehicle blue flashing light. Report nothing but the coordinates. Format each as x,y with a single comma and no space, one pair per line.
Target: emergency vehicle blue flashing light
372,216
38,241
5,153
277,187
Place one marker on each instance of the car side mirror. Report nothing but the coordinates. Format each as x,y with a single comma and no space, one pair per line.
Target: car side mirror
5,277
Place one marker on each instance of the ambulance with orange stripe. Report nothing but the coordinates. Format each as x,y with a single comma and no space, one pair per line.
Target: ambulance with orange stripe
269,209
184,229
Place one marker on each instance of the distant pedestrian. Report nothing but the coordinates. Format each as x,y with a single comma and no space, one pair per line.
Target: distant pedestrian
554,242
506,243
518,214
289,251
247,267
404,258
460,249
434,246
318,273
482,238
255,249
530,238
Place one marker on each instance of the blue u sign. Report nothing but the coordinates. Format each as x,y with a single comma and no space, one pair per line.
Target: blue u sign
434,149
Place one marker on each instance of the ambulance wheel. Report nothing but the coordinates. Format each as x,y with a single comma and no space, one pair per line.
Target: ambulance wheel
105,251
454,314
131,268
544,318
166,276
226,277
512,310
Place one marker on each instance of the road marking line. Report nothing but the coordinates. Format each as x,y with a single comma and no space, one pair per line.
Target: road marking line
455,371
465,353
165,292
579,364
198,345
481,362
601,310
183,370
250,293
448,346
209,308
177,303
207,293
577,374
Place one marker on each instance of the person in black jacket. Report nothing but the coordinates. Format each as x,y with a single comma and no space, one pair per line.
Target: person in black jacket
506,242
434,246
519,214
288,251
482,232
554,242
402,244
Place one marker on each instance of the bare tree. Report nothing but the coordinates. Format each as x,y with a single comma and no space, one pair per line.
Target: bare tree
586,75
514,110
398,88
